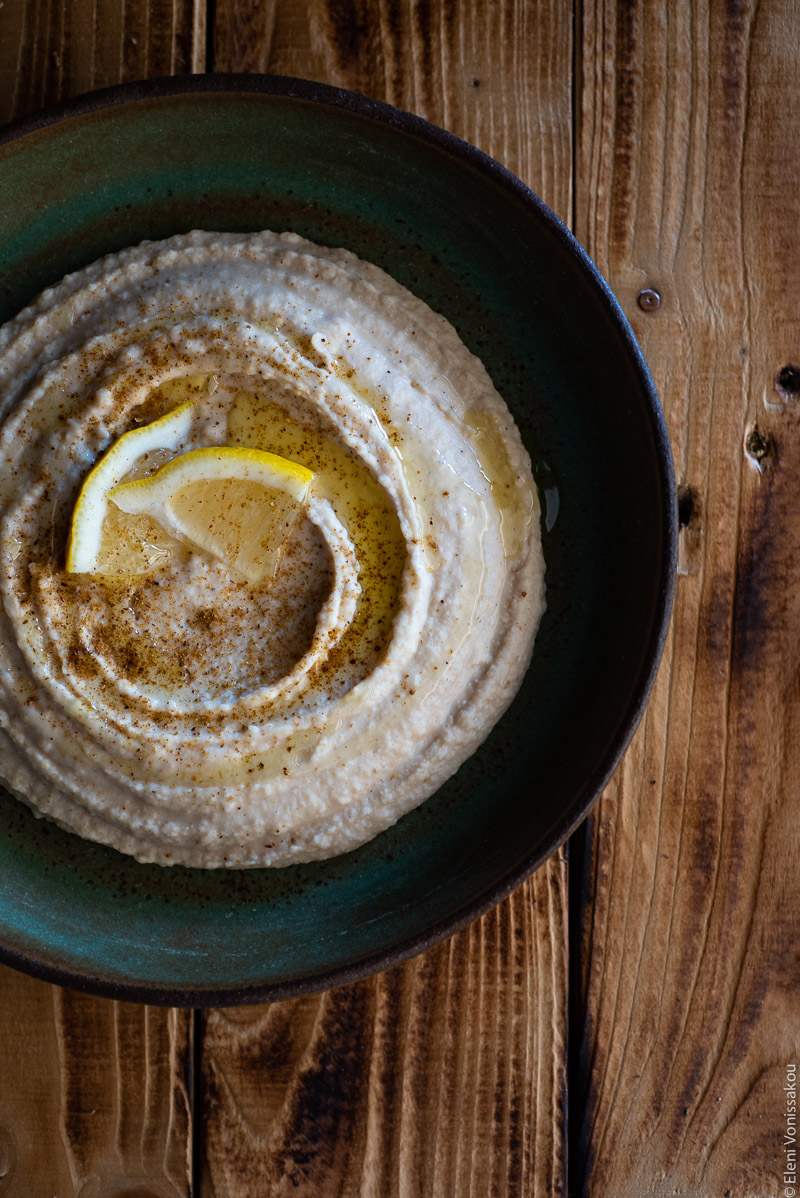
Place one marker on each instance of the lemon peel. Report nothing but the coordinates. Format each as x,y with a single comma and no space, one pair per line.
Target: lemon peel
89,513
236,503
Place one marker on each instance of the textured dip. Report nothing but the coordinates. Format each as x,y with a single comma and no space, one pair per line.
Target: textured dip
183,714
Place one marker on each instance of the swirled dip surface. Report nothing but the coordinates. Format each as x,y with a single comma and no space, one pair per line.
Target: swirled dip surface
182,714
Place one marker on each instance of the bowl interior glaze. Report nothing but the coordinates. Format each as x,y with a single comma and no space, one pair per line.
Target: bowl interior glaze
246,153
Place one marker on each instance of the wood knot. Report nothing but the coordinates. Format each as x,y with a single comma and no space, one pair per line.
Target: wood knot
787,382
686,505
649,299
758,444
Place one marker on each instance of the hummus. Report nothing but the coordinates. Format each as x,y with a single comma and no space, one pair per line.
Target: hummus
183,714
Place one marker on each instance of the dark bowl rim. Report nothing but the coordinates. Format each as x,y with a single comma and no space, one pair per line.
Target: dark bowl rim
336,97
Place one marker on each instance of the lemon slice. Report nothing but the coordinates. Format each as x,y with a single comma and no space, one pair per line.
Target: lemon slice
91,507
235,503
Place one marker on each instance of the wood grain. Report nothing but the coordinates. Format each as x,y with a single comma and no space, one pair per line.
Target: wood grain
446,1076
50,50
93,1100
688,172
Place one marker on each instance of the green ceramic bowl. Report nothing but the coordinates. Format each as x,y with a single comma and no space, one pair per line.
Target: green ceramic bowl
252,152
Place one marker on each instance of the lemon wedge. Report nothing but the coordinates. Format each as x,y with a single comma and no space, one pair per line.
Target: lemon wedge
91,508
237,504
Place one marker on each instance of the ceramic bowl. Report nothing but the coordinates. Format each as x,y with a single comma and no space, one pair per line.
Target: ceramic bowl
251,152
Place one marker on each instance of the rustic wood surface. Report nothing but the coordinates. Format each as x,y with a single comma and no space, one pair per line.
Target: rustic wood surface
92,1094
446,1076
687,183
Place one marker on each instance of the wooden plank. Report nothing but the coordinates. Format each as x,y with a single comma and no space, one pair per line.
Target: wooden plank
688,183
50,50
93,1099
445,1076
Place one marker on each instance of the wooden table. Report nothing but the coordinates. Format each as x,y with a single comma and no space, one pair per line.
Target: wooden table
626,1023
